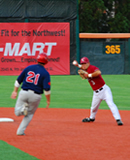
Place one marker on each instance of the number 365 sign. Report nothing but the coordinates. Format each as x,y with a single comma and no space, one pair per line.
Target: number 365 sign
113,47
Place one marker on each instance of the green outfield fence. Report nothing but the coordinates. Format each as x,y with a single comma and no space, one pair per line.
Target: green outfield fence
45,11
109,51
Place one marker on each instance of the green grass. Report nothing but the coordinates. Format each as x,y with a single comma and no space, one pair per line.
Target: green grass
8,152
72,92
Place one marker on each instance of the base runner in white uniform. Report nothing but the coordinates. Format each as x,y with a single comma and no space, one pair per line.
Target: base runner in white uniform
100,90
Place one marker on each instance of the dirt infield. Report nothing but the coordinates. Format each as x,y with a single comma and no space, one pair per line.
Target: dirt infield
59,134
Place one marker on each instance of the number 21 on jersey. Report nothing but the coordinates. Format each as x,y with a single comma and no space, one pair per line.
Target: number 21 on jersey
32,77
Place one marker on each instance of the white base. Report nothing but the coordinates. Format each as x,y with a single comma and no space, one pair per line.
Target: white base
6,120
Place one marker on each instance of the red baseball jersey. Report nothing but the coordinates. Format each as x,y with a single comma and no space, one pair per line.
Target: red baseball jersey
95,82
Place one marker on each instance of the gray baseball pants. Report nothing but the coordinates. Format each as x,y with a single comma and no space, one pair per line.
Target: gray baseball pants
33,101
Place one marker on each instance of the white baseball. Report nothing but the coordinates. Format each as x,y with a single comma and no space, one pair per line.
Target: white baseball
74,62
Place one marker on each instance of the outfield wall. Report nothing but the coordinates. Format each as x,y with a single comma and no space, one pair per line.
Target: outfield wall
109,52
42,11
112,57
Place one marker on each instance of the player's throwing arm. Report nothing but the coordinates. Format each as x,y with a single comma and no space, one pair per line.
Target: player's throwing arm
83,74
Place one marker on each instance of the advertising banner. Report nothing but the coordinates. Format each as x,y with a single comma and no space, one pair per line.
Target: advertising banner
20,44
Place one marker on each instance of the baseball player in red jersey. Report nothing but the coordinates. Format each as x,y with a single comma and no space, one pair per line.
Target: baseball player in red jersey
35,79
101,90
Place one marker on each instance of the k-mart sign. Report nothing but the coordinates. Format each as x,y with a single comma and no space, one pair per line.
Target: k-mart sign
22,42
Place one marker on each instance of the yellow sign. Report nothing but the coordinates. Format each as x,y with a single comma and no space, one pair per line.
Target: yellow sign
113,49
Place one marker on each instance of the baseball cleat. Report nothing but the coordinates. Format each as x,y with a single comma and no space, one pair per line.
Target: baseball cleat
88,120
119,122
25,109
23,134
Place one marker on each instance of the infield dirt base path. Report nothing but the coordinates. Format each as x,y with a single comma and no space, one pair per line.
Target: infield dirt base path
59,134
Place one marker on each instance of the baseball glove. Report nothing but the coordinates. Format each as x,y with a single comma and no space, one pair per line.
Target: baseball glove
82,73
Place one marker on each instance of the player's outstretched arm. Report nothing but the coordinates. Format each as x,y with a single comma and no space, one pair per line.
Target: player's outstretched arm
48,97
14,93
75,63
96,73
